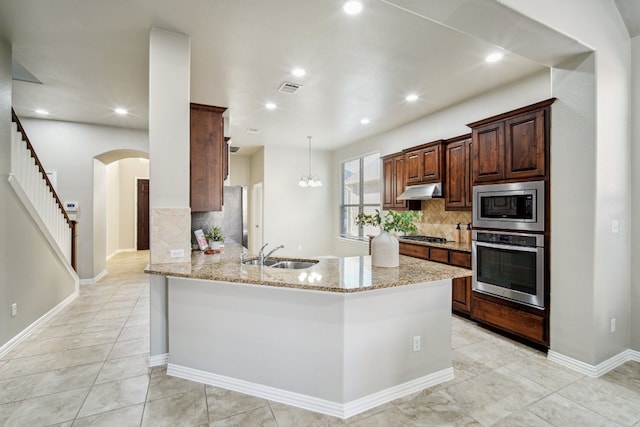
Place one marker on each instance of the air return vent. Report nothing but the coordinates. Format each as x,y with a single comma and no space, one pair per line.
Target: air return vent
234,149
288,87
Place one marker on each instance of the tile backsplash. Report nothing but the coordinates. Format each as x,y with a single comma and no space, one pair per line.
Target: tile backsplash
170,230
440,223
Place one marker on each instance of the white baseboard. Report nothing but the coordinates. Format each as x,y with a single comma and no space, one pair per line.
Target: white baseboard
93,280
120,251
594,370
158,360
341,410
29,329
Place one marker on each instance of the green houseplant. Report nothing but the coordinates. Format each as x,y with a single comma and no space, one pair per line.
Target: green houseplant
215,237
392,221
385,248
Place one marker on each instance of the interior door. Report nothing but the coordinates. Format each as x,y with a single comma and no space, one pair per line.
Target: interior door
142,223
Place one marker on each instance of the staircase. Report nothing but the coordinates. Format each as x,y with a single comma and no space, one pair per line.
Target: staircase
30,182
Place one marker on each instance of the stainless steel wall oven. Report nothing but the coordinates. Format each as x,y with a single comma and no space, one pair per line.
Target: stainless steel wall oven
509,265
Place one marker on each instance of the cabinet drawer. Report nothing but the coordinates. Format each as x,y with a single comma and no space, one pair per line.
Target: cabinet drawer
521,323
416,251
460,259
439,255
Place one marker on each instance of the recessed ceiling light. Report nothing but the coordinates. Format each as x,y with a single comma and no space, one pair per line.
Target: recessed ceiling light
365,121
352,7
270,106
42,112
494,57
412,97
121,111
298,72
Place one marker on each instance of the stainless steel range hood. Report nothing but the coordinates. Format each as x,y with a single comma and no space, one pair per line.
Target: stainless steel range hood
421,192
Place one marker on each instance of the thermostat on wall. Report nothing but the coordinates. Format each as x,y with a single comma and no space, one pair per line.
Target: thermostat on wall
71,206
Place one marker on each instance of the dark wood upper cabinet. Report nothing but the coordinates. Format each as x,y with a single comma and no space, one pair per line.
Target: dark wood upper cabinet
458,166
488,153
525,146
512,146
208,158
393,172
424,164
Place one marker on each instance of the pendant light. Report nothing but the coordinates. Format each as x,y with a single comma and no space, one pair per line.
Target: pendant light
310,180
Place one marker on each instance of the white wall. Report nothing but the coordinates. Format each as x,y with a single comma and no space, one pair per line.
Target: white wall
442,125
600,27
240,170
113,207
130,170
635,195
70,148
121,208
300,218
31,274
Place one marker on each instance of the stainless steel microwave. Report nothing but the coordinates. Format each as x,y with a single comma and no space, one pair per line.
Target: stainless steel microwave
514,206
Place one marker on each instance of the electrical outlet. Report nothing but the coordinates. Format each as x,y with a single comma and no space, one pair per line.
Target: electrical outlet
177,253
14,309
615,226
613,325
416,343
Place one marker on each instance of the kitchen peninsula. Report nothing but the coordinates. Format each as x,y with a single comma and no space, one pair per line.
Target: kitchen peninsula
339,337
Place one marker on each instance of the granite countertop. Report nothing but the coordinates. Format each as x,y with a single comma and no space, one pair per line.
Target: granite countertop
451,245
345,274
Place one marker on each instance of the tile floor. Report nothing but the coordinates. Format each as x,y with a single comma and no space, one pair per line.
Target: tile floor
87,367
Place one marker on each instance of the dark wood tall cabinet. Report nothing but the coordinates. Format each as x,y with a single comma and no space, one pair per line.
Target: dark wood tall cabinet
458,192
208,158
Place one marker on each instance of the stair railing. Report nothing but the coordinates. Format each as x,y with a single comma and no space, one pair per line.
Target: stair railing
31,176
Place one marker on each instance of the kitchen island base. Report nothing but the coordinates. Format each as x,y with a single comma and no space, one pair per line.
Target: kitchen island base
335,353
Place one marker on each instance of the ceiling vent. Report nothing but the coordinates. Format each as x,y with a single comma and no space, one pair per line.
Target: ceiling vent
234,149
288,87
252,130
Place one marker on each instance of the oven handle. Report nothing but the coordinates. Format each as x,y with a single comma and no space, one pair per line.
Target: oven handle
508,247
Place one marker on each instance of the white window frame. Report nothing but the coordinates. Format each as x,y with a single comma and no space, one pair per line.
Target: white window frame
361,205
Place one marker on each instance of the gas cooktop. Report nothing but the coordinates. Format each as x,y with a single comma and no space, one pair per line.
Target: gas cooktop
430,239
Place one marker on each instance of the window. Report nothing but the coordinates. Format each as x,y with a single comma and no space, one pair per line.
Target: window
360,193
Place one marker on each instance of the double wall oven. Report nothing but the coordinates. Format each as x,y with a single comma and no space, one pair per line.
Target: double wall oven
508,248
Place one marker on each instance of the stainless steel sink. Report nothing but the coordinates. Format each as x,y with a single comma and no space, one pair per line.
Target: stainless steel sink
295,265
283,263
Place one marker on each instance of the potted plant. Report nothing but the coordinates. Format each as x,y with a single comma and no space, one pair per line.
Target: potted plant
385,248
215,236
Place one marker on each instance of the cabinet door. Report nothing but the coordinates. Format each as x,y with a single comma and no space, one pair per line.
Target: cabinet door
388,174
461,294
431,164
488,153
413,167
206,158
525,146
456,182
469,174
399,183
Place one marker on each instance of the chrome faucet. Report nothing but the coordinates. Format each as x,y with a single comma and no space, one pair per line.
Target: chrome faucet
272,251
262,257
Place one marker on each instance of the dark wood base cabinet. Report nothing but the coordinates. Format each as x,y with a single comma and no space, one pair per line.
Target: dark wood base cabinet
461,295
460,287
525,322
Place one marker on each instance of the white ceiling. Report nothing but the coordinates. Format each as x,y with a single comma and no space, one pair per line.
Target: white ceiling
92,56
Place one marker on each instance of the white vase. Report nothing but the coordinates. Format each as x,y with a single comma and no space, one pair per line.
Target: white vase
385,250
214,244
